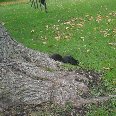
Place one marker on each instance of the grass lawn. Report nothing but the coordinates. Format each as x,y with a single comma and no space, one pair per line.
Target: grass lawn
85,29
7,0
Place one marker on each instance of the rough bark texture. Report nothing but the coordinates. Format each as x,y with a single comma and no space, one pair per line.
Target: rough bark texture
31,77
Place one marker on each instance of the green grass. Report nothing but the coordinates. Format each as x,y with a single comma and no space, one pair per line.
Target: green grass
7,0
86,29
105,109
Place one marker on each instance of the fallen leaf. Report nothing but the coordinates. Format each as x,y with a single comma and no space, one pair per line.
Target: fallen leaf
113,44
80,25
32,31
3,23
106,68
67,28
109,20
88,50
44,43
58,20
57,38
82,37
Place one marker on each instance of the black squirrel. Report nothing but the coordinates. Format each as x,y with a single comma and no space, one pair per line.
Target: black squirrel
66,59
57,57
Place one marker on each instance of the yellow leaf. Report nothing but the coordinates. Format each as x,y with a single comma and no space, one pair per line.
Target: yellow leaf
44,43
67,28
32,31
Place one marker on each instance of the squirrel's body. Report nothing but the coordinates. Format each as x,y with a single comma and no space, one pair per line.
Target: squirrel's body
66,59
